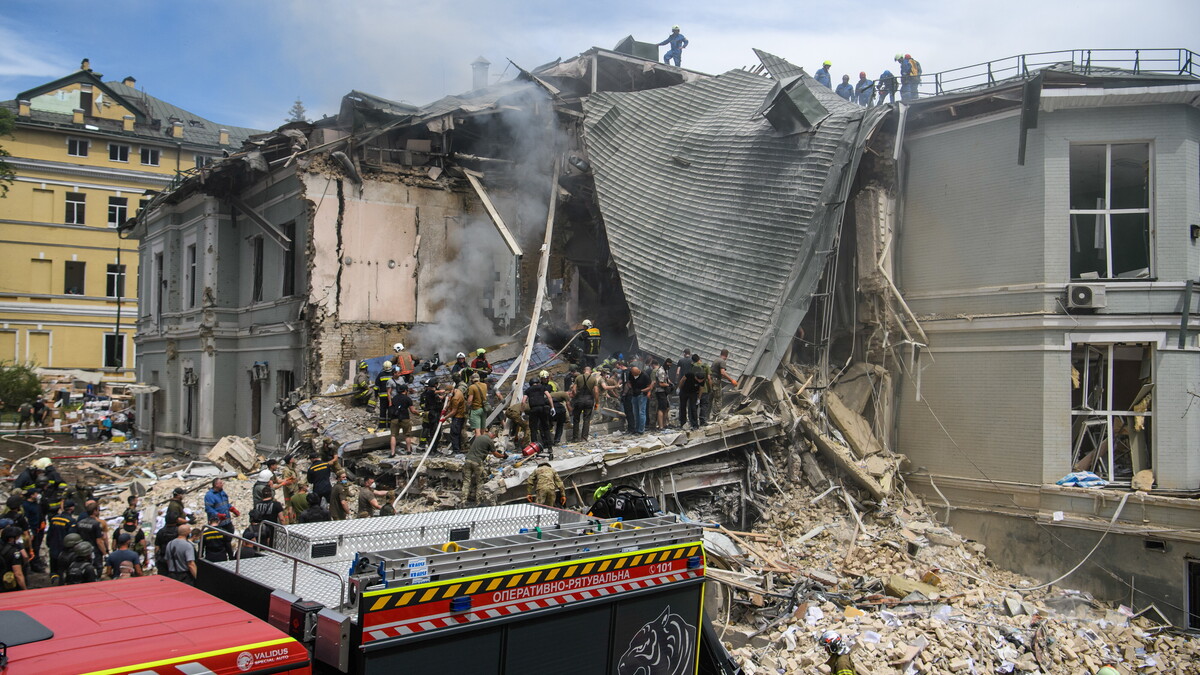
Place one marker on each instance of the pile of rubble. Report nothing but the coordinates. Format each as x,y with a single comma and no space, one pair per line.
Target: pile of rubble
912,597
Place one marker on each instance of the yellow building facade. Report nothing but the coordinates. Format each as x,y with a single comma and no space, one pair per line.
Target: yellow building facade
86,153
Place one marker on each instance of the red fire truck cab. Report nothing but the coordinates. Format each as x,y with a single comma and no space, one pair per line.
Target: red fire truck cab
146,625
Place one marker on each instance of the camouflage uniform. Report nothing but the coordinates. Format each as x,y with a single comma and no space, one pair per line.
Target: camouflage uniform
520,427
544,485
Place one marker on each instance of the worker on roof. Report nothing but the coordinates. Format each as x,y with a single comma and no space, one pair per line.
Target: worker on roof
480,363
719,370
839,661
822,75
864,90
845,89
910,76
677,42
404,362
887,87
362,386
591,348
545,486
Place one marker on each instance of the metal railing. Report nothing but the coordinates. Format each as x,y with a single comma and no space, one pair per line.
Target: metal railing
1175,62
296,562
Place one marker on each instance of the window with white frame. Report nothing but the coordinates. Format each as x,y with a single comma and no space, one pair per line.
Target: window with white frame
1112,387
203,161
150,156
114,286
78,147
1111,229
118,210
118,152
76,208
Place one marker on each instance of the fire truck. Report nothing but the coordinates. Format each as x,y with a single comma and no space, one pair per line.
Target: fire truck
142,626
506,589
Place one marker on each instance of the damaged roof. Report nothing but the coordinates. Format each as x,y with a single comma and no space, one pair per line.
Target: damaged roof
719,224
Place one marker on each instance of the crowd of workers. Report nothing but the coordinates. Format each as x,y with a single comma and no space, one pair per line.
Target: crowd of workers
867,92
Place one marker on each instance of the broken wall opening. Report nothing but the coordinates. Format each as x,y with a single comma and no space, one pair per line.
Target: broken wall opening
1111,409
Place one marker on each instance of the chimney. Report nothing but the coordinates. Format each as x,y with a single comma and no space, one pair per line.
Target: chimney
129,82
223,137
23,108
177,129
77,116
127,123
479,73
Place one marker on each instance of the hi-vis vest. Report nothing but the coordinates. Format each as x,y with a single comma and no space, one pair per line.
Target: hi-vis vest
404,363
593,341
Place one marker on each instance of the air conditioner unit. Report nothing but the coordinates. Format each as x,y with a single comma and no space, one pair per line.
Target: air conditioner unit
1085,296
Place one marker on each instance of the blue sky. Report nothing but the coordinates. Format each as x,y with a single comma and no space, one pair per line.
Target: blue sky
243,62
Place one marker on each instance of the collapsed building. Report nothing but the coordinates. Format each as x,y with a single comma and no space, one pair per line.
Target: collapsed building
969,296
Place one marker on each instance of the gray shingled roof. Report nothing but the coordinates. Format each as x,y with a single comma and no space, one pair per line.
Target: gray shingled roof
196,129
720,226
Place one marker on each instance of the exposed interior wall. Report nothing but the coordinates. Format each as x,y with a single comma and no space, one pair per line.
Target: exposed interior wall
1156,576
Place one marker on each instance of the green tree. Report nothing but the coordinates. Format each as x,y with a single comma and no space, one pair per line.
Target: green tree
296,114
6,171
18,384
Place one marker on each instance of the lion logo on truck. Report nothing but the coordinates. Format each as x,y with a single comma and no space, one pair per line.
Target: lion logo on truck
664,646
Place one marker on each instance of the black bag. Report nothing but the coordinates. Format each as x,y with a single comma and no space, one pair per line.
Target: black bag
627,502
80,572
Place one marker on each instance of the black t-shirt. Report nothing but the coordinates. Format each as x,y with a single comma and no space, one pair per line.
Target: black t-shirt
537,396
400,405
638,384
10,554
430,400
89,528
269,510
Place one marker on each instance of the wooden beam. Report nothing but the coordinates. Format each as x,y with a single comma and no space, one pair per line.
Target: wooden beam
543,267
509,240
276,234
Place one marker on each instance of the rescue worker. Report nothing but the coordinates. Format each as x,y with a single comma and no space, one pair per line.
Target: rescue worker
460,363
343,494
123,561
215,545
26,416
62,524
318,476
180,557
518,426
480,363
910,76
561,400
368,499
537,397
545,486
822,75
137,538
265,510
94,531
720,375
265,480
591,348
887,87
845,89
176,515
81,569
839,661
864,90
401,415
703,375
297,504
12,557
315,513
383,390
216,503
456,413
690,385
289,478
404,362
586,390
473,468
477,394
662,392
431,407
677,42
362,386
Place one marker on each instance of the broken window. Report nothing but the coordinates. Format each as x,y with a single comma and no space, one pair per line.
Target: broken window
73,277
1111,401
1110,211
76,208
114,350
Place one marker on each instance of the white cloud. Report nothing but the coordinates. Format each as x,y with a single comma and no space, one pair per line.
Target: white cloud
21,57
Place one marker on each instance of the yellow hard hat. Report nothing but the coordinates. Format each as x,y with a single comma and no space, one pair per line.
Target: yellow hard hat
481,350
544,373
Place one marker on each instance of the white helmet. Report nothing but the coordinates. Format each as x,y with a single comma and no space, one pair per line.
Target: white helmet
398,347
460,355
833,643
387,365
265,475
587,323
674,27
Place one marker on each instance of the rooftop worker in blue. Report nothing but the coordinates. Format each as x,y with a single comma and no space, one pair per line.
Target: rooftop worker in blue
887,87
845,89
864,89
823,74
677,42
